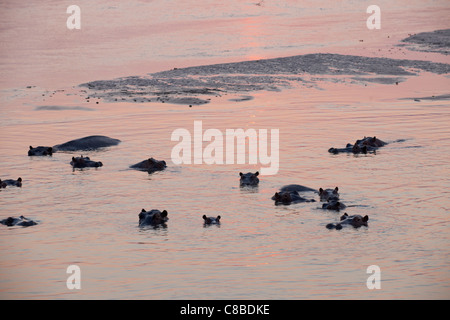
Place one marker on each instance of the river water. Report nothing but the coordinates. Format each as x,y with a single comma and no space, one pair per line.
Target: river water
89,218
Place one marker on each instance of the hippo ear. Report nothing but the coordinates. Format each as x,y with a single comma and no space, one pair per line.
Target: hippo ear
240,173
204,217
20,179
164,214
31,147
73,158
365,218
143,210
256,173
336,190
218,218
320,191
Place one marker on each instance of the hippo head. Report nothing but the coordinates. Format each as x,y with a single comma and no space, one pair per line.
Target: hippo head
40,151
152,217
329,194
283,197
2,184
155,165
10,221
358,148
355,220
19,182
372,142
334,205
249,179
211,220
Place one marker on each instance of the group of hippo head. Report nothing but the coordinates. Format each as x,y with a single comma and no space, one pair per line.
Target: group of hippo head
21,221
331,199
365,145
93,143
291,194
286,195
156,218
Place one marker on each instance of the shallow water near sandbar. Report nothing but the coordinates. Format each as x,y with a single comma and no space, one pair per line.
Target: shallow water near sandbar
89,217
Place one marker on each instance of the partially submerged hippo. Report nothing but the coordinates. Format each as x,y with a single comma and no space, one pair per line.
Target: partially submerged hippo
11,182
368,144
329,194
152,218
85,162
150,165
211,220
87,143
249,179
355,221
21,221
290,194
82,144
334,205
40,151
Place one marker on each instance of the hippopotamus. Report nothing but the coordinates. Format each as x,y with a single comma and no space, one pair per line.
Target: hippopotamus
334,205
21,221
11,182
84,162
153,217
82,144
87,143
211,220
297,188
329,194
290,194
355,221
365,145
150,165
249,179
40,151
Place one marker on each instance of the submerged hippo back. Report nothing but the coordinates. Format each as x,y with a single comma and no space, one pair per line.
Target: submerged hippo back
297,188
87,143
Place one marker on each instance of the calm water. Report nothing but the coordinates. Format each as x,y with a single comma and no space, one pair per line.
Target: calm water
260,251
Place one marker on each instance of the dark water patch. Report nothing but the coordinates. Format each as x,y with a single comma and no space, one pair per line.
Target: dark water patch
380,80
435,41
62,108
241,98
432,98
